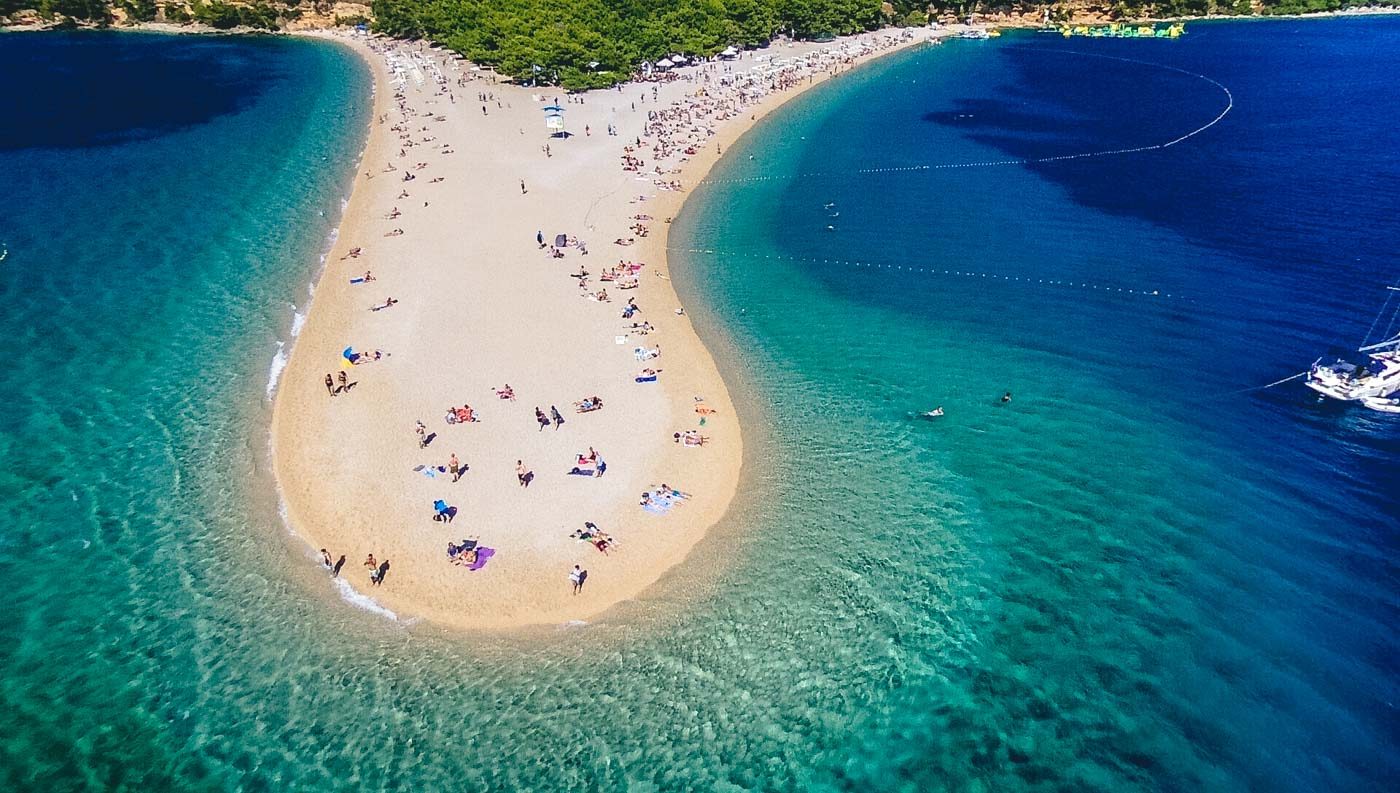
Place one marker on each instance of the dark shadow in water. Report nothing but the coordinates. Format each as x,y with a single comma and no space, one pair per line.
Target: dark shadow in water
106,88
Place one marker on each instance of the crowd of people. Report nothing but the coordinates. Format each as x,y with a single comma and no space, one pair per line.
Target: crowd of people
667,135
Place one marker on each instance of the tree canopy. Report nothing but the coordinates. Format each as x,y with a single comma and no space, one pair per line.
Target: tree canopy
558,39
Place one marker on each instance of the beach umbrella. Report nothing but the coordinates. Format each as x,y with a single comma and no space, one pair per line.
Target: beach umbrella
440,505
349,353
560,240
664,63
552,109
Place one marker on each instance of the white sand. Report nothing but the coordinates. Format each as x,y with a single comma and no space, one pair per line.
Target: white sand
480,305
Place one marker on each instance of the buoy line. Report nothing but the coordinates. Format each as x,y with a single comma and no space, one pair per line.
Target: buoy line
954,273
1229,105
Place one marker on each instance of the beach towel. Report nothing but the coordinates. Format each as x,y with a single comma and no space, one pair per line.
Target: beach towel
581,472
483,555
357,280
655,508
648,379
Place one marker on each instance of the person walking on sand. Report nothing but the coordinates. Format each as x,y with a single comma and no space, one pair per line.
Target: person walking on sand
344,382
576,578
330,385
326,558
523,191
541,418
522,473
422,433
539,238
378,575
558,418
339,563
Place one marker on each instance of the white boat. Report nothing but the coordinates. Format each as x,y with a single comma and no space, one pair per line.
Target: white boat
1383,404
1378,378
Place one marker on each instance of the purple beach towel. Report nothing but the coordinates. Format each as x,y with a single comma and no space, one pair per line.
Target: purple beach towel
483,554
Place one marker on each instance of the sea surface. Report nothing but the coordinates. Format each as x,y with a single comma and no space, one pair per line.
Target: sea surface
1143,572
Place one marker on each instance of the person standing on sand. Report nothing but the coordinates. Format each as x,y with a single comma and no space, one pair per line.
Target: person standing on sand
326,558
454,467
422,433
344,382
523,191
522,473
339,563
576,578
330,385
558,418
541,418
378,575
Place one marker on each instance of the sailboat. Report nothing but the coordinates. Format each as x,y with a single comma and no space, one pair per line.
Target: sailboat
1374,383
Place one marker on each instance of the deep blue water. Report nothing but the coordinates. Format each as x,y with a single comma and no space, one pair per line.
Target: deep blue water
1137,575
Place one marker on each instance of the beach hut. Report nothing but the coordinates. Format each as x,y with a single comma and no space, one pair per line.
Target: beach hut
729,54
664,64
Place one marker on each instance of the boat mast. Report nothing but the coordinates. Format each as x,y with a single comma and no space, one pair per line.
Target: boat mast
1389,328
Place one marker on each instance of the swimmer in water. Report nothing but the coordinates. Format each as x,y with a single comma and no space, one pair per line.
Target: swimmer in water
935,413
1006,397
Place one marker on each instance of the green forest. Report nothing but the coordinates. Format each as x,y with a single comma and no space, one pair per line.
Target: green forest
588,43
592,43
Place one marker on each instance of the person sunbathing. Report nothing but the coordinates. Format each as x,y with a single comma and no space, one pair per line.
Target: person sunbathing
506,392
387,303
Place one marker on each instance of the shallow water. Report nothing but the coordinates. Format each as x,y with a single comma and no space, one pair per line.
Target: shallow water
1126,578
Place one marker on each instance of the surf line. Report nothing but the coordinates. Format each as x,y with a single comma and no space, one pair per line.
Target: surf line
914,269
1229,105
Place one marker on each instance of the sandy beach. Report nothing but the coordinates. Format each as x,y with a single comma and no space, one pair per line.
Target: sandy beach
454,216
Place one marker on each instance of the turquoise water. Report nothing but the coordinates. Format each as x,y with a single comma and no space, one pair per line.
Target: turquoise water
1130,577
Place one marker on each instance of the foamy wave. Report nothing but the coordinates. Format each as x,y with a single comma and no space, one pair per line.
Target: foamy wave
298,320
349,595
274,373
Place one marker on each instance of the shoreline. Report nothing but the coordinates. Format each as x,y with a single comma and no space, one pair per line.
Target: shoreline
526,584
